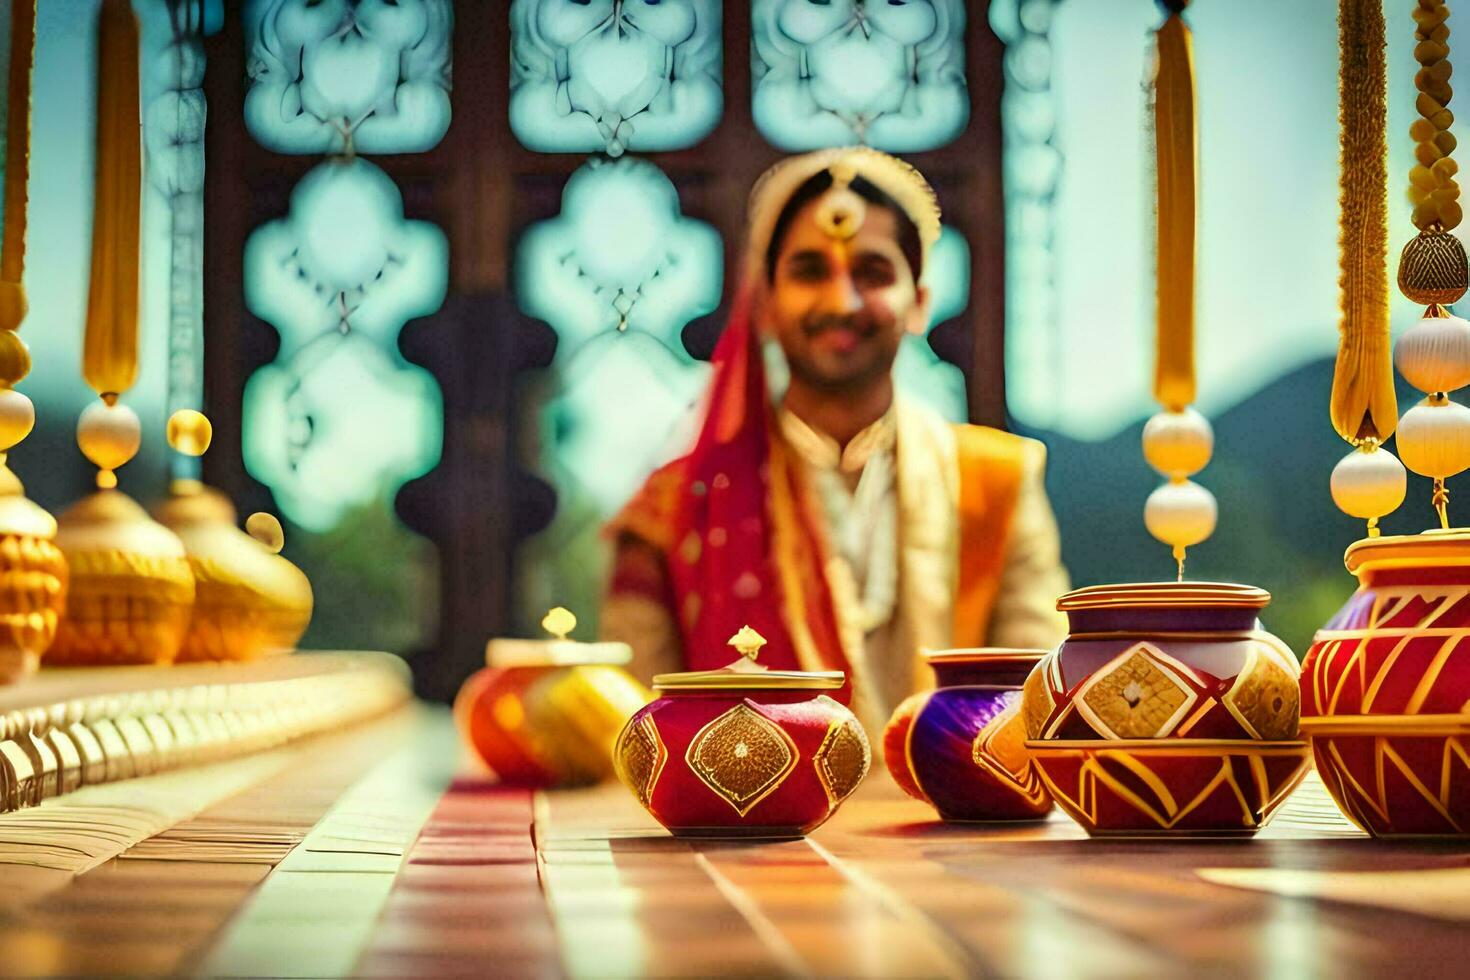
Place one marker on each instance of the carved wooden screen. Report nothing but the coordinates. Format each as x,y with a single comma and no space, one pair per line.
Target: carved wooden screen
585,203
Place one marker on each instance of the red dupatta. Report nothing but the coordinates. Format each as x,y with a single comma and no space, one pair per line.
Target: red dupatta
742,543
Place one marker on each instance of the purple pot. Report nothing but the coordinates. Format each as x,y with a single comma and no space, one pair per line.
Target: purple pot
962,747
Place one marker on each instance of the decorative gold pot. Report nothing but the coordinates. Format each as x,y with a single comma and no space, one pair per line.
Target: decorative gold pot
131,588
249,602
33,579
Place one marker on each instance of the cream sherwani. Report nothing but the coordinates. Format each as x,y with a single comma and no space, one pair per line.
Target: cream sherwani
889,500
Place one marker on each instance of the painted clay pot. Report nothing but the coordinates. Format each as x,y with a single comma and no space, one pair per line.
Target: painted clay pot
962,747
1386,688
743,752
547,713
1167,710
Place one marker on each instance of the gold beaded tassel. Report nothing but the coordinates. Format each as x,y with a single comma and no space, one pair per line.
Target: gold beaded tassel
1178,441
109,433
32,570
1434,354
17,415
131,585
1369,483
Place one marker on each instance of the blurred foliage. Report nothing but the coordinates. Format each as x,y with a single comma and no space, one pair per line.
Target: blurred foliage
376,583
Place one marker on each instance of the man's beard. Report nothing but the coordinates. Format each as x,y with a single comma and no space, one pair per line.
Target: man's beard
875,361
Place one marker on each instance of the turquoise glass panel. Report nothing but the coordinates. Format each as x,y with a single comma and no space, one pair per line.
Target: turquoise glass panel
618,273
340,417
327,74
887,73
614,75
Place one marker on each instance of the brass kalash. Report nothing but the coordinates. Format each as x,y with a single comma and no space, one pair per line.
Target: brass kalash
193,587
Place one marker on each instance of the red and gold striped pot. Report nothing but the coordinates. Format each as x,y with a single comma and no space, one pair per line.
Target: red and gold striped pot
1386,688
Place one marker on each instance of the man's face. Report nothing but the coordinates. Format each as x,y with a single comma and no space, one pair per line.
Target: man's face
840,307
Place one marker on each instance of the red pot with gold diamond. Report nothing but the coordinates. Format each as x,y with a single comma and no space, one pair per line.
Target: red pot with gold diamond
1167,710
743,751
1386,688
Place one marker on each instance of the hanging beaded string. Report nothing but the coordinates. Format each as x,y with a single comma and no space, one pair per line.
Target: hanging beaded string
17,414
1432,186
1178,441
1370,482
1434,354
109,432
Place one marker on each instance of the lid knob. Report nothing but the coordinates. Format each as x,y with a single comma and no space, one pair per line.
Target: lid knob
559,622
748,643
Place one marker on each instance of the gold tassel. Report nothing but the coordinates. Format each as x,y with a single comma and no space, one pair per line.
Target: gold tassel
110,355
17,171
1175,146
1363,402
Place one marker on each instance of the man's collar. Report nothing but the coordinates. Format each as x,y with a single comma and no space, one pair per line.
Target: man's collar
821,450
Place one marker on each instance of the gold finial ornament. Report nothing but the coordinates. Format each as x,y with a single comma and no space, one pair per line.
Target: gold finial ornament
189,432
266,529
249,601
131,588
559,622
747,642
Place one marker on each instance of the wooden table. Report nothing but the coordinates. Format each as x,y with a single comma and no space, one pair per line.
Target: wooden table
387,864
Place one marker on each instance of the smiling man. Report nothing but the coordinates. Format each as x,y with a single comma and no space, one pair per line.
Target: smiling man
848,526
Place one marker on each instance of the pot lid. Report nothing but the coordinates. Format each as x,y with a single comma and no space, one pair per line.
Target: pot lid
1435,548
984,655
744,674
1126,595
557,651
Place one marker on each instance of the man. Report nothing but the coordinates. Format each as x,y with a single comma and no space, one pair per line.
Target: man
849,527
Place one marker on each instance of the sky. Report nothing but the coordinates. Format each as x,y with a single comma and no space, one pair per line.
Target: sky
1266,75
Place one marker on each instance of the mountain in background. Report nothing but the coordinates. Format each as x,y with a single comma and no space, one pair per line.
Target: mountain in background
1278,528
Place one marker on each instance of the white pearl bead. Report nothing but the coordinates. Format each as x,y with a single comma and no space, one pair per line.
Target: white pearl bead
1369,483
109,435
1434,354
17,418
1434,439
1180,514
1178,444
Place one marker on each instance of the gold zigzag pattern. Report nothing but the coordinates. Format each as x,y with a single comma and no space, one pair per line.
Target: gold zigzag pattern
1166,812
1441,602
1353,796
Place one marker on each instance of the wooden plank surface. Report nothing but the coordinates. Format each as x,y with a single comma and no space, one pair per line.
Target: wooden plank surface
883,889
351,861
155,907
